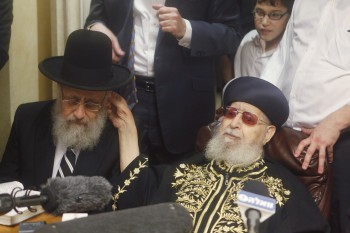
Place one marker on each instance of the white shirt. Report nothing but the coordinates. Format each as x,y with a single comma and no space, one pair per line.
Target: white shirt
251,57
146,26
312,63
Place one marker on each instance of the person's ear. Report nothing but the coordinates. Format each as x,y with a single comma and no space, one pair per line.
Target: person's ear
106,102
108,94
270,131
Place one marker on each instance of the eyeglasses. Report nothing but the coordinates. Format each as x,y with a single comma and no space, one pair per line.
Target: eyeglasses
248,118
260,14
74,103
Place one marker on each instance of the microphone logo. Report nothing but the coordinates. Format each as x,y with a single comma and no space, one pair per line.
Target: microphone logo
251,201
256,201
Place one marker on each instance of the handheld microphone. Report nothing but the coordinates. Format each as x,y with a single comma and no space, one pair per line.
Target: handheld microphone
69,194
159,218
255,204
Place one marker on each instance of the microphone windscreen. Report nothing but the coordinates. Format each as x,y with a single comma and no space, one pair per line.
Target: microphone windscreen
74,194
159,218
256,187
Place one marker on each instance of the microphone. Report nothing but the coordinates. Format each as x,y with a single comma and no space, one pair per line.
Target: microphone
76,194
70,194
255,204
6,203
158,218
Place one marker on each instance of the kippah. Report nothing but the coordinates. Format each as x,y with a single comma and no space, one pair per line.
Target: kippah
259,93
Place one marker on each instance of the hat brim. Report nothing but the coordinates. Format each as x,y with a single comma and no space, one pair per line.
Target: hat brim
52,67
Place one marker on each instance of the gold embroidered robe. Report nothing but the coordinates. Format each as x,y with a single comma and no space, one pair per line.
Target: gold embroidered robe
208,190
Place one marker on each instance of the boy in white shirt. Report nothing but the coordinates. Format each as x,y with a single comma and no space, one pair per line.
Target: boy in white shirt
256,48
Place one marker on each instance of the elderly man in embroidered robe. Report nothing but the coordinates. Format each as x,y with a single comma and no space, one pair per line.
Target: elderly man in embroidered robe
207,186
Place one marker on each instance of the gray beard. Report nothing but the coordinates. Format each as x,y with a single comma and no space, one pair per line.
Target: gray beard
232,153
78,136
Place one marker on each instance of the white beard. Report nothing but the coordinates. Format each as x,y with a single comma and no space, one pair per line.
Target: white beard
233,153
84,136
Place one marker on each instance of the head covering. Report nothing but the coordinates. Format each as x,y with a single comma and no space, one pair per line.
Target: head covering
86,64
259,93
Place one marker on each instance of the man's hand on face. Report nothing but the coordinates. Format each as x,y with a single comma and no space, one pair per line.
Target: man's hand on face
122,118
119,112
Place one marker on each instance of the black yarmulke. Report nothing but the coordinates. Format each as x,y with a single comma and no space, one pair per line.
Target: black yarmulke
260,93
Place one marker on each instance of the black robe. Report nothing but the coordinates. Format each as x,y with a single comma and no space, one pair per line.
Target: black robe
208,190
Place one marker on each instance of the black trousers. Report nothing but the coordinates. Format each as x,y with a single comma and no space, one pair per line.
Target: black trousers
147,122
340,204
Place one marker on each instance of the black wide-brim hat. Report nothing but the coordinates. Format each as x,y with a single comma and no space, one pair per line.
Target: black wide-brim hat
86,64
259,93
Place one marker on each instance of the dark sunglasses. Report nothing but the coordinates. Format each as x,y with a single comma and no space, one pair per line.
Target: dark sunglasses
248,118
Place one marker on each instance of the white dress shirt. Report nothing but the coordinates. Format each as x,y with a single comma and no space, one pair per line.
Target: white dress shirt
146,26
312,63
251,57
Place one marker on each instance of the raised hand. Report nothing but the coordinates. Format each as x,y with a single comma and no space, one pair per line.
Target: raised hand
117,52
170,20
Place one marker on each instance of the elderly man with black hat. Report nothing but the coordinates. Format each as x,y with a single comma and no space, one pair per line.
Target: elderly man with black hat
208,185
72,134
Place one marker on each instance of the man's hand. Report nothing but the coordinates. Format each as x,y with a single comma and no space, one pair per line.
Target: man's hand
321,139
117,52
122,118
119,113
170,20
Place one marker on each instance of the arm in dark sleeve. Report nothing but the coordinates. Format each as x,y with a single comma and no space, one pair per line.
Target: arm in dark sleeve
9,166
134,186
299,214
6,18
97,13
221,33
303,215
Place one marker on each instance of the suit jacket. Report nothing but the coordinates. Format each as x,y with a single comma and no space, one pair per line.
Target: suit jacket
246,8
5,29
184,78
30,151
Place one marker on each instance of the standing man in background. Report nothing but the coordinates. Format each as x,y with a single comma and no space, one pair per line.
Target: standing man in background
312,67
247,21
176,43
6,18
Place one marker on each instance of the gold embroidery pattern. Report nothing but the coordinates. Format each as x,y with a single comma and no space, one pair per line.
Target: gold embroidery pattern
201,190
229,217
196,185
132,176
254,166
276,189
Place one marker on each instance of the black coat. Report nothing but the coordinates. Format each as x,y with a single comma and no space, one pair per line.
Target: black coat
5,29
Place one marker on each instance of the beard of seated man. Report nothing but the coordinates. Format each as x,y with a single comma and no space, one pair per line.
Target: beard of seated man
80,135
233,153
